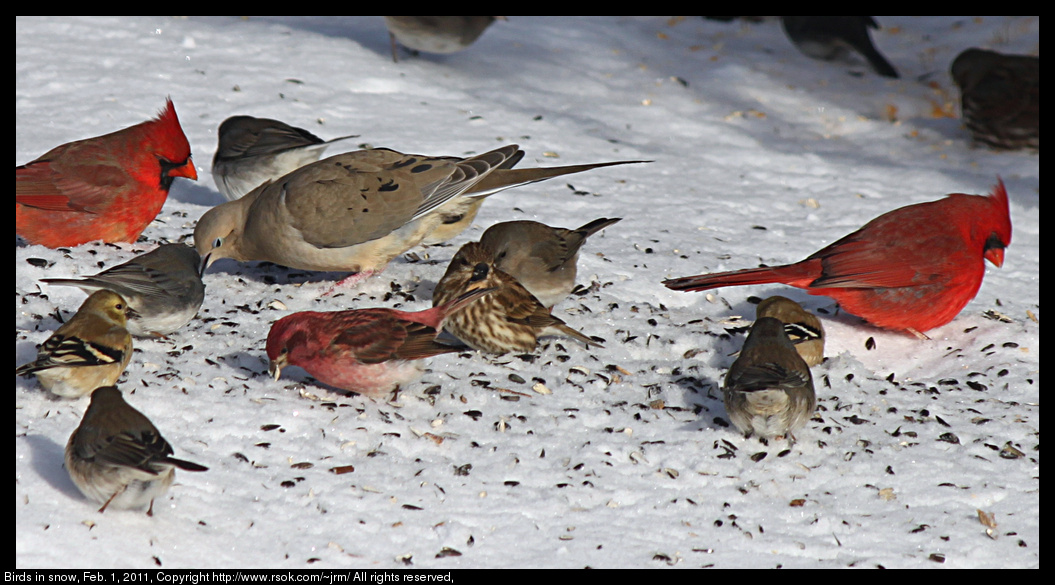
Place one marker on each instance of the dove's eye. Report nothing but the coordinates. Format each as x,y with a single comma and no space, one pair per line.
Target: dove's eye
217,243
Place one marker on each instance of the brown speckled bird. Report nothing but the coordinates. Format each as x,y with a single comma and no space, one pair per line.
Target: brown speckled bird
117,457
509,319
541,257
769,389
999,97
803,328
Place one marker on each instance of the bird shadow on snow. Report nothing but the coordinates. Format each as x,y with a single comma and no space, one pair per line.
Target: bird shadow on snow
47,459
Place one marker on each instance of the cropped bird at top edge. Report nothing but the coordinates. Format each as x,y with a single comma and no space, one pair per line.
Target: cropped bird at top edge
251,151
355,212
105,188
436,34
769,390
92,349
370,351
911,269
999,98
542,258
163,288
117,457
509,319
830,38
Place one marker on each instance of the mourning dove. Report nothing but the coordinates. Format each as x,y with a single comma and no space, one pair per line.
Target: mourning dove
92,349
541,257
117,457
163,288
508,319
436,34
803,328
254,150
769,389
355,212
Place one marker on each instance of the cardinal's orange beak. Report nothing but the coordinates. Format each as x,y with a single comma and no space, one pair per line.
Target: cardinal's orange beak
186,170
996,256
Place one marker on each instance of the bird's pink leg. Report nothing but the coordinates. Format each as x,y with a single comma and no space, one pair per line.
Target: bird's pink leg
349,282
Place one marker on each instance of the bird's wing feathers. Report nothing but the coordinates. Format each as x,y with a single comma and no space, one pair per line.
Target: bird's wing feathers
764,376
362,196
39,184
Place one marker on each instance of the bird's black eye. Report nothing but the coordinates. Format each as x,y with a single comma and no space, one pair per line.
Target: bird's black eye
480,271
217,242
119,307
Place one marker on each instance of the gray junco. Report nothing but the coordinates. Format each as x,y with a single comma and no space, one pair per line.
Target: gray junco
254,150
436,34
163,288
833,37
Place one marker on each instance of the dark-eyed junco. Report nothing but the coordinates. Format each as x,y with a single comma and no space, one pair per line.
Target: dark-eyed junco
163,288
254,150
833,37
769,389
117,457
436,34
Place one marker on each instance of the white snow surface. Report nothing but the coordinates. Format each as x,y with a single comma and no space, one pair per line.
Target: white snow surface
760,155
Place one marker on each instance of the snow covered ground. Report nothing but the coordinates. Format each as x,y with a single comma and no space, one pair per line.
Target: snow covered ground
760,155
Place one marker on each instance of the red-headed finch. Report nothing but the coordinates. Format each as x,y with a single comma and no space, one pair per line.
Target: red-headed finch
833,37
366,351
540,257
117,457
769,389
803,328
509,319
105,188
999,97
163,288
355,212
910,269
436,34
92,349
252,150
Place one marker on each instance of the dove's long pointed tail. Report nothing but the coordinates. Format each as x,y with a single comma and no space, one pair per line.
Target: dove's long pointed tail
506,178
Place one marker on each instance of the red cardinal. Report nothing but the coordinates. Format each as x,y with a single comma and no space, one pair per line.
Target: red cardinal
912,269
104,188
367,351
